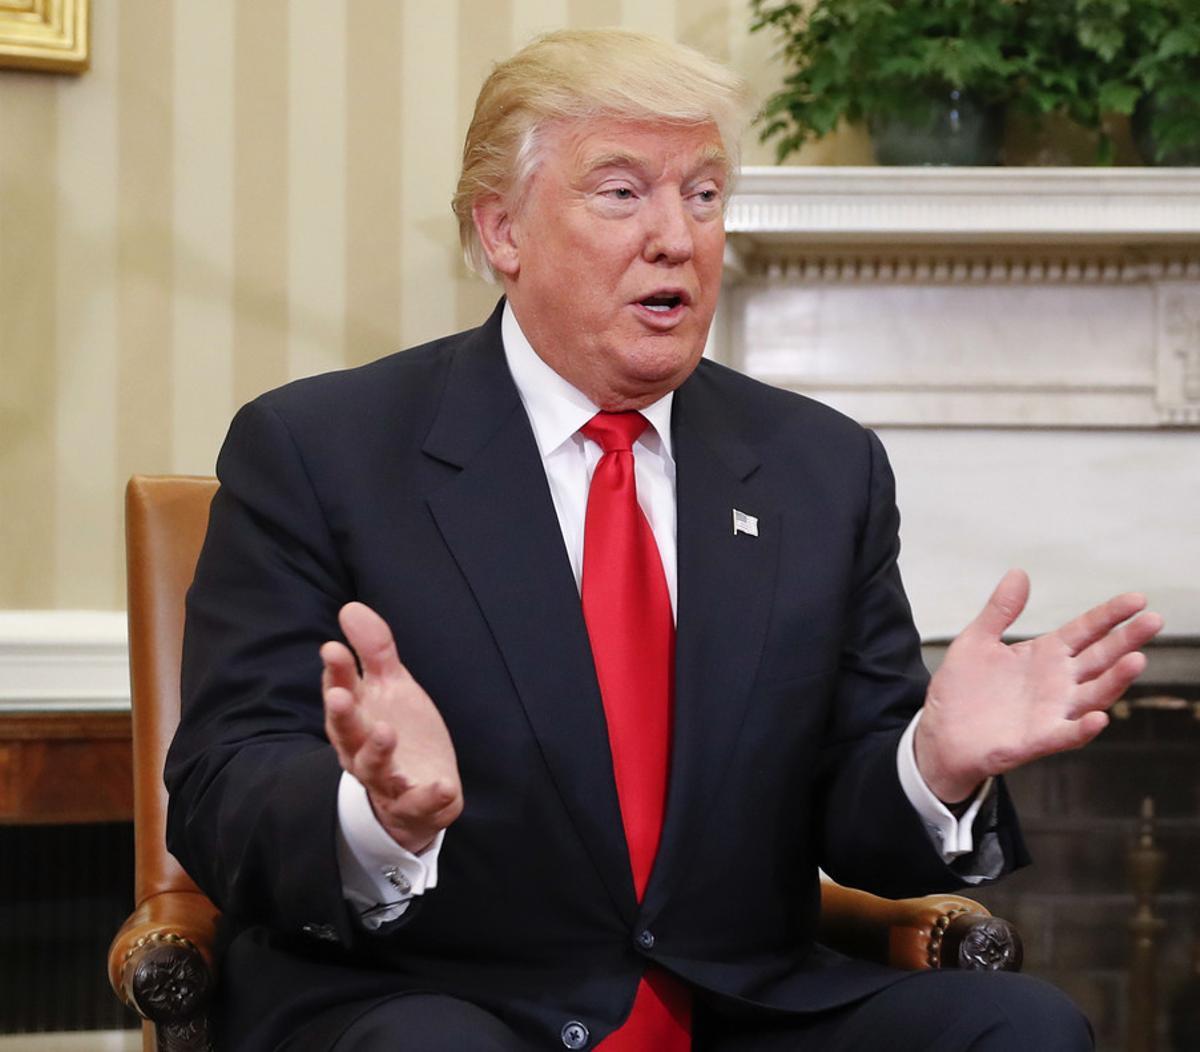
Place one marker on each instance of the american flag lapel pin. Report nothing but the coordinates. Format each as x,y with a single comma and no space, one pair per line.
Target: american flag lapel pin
743,523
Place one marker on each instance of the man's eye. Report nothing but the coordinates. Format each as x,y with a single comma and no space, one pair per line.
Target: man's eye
709,196
619,193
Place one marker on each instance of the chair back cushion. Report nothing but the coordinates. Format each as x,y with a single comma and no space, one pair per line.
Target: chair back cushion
166,517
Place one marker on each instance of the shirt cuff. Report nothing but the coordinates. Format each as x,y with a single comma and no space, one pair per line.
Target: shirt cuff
379,877
951,836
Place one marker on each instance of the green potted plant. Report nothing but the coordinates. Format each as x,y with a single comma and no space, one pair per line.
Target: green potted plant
1075,59
1091,59
930,78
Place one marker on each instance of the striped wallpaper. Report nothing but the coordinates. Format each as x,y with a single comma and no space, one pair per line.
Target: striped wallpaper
235,195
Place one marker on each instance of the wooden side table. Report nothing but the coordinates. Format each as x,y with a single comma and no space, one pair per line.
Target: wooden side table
65,767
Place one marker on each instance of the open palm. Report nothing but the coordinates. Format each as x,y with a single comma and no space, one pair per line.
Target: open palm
993,706
388,733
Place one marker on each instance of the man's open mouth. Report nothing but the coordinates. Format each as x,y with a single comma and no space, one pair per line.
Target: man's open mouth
661,304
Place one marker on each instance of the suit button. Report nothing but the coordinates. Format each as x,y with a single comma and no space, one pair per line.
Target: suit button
574,1034
645,939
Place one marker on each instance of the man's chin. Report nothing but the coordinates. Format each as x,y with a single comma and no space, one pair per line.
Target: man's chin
660,359
646,379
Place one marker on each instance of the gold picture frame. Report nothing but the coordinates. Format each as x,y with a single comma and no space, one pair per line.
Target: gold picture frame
47,35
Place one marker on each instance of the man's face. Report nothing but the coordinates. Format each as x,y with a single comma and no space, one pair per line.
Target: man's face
613,261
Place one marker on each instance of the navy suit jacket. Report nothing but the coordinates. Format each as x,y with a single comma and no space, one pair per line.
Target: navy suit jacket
414,485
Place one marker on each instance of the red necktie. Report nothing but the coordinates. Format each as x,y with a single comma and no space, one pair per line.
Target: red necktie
632,632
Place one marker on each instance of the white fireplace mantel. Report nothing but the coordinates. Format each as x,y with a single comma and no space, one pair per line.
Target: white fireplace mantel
902,206
970,297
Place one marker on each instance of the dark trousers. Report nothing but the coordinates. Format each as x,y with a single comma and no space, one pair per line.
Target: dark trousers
925,1012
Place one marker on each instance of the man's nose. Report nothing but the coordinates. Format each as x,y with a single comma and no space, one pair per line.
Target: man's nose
668,233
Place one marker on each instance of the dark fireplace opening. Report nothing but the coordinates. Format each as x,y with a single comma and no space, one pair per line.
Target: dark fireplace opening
64,892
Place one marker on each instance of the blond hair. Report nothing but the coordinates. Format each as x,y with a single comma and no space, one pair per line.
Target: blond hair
575,75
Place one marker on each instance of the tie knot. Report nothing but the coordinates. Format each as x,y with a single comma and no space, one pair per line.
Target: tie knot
615,432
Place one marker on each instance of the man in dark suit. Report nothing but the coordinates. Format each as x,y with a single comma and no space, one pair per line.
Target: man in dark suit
563,823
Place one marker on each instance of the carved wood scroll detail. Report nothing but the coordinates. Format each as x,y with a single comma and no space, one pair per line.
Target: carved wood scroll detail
975,942
170,981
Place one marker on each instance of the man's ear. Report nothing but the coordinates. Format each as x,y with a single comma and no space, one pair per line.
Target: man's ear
493,222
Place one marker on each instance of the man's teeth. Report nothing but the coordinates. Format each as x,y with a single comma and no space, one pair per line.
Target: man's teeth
661,304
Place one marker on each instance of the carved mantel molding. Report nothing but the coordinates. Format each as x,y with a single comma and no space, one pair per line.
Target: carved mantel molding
971,297
1030,206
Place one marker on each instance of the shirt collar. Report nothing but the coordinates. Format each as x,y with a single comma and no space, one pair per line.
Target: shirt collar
556,409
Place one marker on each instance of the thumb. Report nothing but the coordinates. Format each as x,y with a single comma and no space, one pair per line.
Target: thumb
1004,605
369,635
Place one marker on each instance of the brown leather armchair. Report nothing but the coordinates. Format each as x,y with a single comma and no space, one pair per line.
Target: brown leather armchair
161,963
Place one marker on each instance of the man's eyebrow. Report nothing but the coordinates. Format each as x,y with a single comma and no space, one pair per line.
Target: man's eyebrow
615,159
711,156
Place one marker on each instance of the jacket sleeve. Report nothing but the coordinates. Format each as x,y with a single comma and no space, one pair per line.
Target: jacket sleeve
252,779
871,835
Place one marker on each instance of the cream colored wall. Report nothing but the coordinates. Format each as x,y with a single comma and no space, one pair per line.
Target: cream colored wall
235,195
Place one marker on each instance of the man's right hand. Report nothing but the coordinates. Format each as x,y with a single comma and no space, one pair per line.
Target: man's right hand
388,733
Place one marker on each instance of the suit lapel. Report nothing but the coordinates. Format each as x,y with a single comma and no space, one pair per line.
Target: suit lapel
726,581
498,519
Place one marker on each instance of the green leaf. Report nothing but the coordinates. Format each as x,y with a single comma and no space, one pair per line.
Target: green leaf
1182,42
1118,97
1103,38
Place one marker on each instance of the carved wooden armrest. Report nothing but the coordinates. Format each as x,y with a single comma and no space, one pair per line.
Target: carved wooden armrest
161,961
936,931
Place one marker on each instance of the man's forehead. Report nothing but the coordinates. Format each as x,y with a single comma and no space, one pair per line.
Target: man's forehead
605,143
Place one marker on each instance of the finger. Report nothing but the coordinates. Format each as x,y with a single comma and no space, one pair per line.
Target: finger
344,725
339,669
436,804
1075,734
1084,630
371,639
1101,655
1105,690
431,801
374,762
1067,734
1004,605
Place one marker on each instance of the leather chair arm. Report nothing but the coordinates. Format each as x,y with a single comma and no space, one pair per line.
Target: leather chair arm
161,962
936,931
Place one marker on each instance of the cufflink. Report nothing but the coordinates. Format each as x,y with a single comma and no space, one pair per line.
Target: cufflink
394,876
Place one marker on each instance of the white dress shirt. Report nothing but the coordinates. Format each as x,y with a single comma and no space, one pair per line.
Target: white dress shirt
378,876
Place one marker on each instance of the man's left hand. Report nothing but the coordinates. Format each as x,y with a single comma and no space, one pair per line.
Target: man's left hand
994,706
